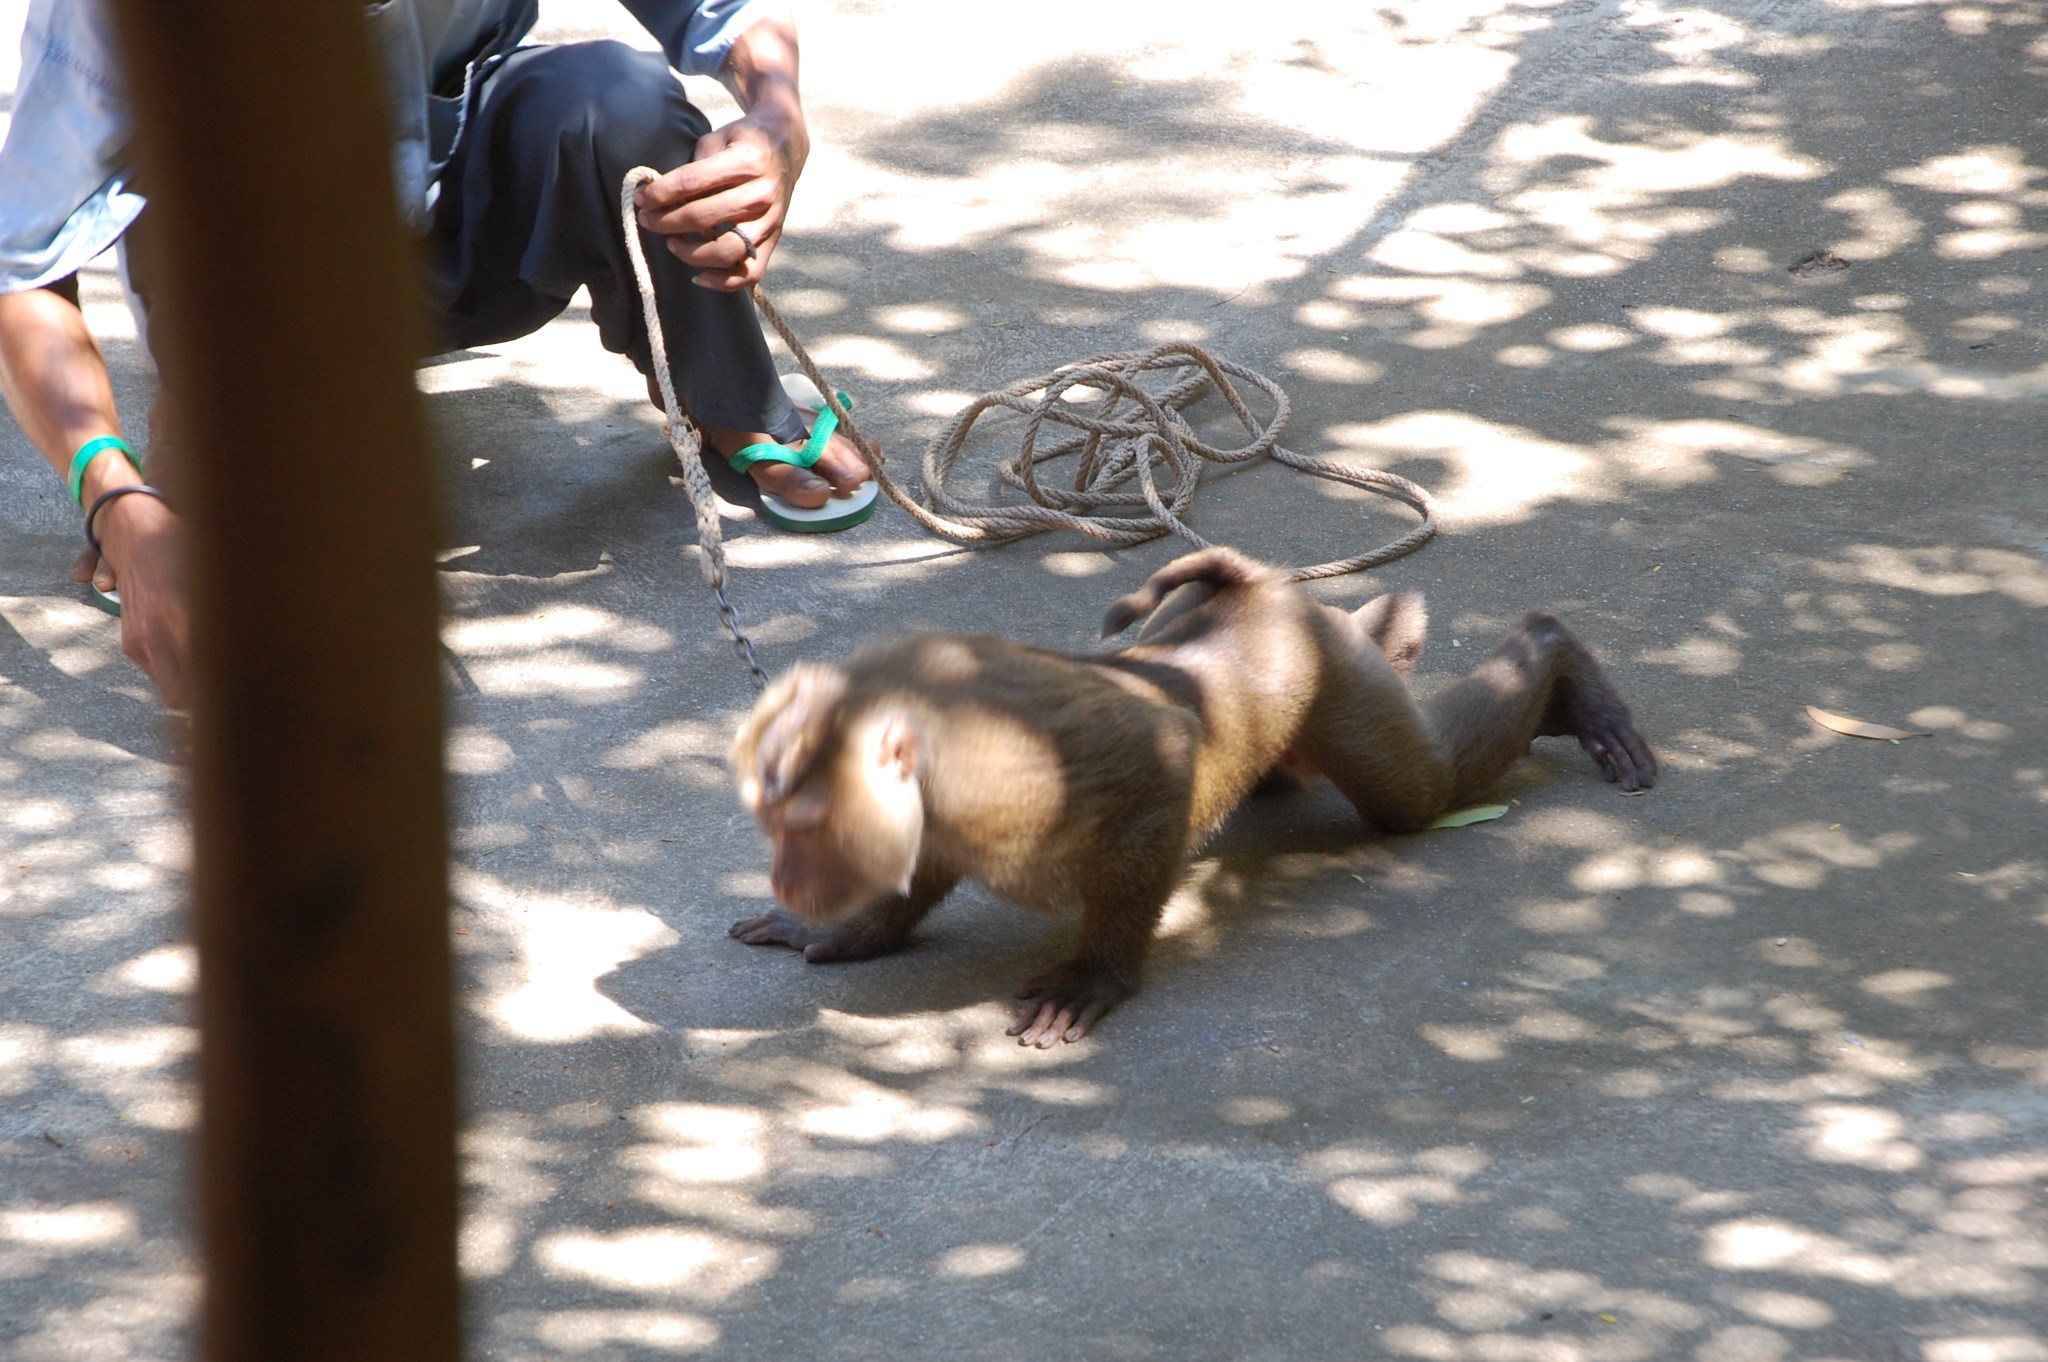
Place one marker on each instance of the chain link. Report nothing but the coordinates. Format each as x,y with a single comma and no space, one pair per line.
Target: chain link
742,645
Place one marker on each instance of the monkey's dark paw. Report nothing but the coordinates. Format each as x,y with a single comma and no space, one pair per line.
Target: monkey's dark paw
1063,1003
1623,755
821,942
777,928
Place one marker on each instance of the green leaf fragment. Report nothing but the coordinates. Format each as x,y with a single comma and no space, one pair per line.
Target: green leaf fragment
1480,813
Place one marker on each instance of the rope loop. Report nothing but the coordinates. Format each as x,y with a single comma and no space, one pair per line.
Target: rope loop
1126,430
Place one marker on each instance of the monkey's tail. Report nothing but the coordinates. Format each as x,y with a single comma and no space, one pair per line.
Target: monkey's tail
1217,566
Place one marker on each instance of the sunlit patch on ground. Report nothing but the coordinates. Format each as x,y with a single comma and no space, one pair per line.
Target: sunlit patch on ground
1715,326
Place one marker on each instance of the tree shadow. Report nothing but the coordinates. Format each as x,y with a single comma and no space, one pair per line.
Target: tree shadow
1747,1067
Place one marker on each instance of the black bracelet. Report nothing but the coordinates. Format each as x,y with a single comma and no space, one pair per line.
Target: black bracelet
107,496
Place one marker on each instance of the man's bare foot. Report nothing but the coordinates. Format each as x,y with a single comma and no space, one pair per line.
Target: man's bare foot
839,469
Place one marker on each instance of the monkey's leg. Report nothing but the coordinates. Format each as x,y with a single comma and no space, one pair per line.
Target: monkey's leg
1366,732
871,932
1540,682
1118,915
1395,624
1402,764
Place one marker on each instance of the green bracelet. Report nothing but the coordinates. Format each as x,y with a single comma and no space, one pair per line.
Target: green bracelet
91,450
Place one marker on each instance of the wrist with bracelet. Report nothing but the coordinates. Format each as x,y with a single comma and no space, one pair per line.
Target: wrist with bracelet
112,493
109,601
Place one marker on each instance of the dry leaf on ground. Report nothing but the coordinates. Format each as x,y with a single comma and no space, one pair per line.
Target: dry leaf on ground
1861,728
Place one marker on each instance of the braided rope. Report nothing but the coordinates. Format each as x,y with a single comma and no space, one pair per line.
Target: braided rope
683,437
1130,432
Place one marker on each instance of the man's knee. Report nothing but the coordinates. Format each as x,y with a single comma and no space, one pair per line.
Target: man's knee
626,103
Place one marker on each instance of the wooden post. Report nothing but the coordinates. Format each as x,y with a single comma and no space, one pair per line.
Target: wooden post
287,326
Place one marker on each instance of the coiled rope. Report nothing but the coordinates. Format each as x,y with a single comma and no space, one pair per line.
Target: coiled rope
1127,434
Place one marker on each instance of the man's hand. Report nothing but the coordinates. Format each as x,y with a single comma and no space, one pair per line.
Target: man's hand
737,189
742,179
141,543
56,384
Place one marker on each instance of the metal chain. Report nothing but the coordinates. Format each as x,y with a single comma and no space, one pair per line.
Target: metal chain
742,645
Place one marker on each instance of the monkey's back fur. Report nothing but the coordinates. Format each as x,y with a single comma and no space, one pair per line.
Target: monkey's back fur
1058,770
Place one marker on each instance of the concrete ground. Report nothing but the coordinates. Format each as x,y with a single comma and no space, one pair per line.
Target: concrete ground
1754,1067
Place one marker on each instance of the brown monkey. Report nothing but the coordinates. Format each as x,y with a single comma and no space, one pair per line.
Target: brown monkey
885,780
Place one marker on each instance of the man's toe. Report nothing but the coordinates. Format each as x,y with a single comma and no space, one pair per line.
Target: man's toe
843,464
799,487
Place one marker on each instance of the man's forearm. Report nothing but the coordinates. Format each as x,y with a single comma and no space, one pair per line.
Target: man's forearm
743,173
761,73
53,376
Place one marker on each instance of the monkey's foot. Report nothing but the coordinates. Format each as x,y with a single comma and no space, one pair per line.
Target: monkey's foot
1588,707
1598,717
1063,1003
1622,753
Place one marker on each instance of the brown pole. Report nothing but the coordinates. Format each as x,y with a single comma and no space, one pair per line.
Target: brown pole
286,329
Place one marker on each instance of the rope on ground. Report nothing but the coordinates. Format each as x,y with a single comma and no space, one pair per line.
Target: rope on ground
1128,431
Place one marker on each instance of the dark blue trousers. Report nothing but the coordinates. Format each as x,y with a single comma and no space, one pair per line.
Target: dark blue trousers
529,212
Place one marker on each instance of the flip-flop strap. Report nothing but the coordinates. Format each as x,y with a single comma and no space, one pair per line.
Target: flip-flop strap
770,452
805,457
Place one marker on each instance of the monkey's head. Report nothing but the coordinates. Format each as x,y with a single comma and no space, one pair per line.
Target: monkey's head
833,782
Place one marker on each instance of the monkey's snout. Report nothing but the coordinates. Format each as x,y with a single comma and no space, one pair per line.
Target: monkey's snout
806,897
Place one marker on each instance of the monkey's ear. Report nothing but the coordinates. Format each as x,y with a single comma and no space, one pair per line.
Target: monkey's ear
790,727
896,744
1397,622
1121,612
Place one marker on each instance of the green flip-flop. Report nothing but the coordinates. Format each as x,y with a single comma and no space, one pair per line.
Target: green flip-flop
838,512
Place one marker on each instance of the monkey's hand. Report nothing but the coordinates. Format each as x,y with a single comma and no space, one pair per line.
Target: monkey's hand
778,928
1063,1003
821,942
